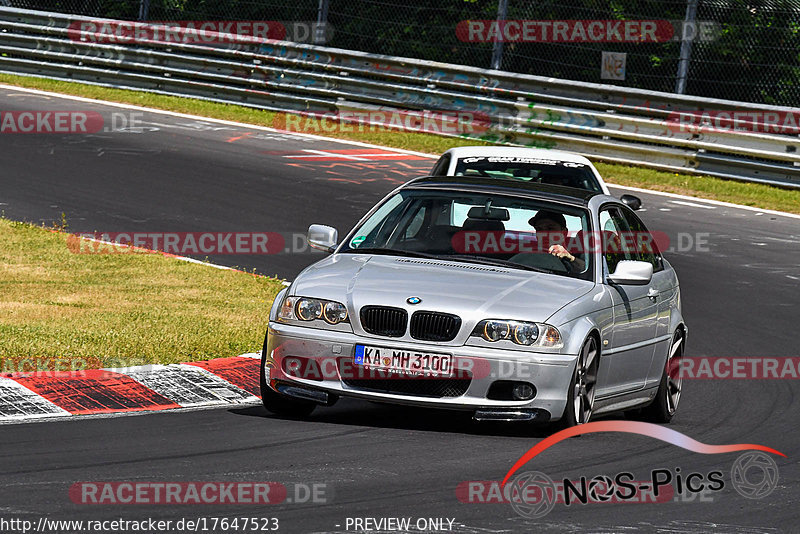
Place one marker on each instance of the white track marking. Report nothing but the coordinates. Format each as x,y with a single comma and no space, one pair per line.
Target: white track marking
319,153
357,157
207,264
692,204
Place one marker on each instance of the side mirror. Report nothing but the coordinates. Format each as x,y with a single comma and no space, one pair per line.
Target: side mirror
631,201
632,273
322,237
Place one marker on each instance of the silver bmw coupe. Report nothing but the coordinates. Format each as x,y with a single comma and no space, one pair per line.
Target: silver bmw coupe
513,300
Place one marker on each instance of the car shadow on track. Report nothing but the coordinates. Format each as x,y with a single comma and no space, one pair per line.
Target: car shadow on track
374,415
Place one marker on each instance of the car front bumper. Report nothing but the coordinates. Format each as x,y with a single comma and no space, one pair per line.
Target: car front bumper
321,360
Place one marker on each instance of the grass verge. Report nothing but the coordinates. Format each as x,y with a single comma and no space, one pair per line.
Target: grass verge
748,194
65,311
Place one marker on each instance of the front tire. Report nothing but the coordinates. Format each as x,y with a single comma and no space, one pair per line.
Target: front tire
664,406
279,404
580,396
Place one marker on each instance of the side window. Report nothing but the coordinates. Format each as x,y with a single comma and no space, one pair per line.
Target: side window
644,241
408,223
415,225
369,232
441,167
614,229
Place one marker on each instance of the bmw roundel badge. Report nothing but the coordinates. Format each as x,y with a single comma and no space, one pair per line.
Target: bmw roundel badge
413,300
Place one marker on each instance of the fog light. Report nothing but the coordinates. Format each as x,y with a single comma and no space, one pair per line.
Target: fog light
522,391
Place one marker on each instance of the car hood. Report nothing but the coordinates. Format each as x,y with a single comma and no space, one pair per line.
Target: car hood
469,290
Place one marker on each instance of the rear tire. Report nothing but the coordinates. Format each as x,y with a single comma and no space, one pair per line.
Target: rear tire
279,404
664,406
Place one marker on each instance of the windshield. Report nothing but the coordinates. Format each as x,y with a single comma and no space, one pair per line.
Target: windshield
477,227
545,171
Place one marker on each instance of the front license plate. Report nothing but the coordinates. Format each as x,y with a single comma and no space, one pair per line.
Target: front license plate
404,361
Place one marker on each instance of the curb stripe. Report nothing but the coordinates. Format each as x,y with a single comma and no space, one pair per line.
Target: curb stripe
189,386
19,402
242,371
225,381
96,391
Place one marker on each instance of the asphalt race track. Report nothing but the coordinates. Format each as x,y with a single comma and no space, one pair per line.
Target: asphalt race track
741,294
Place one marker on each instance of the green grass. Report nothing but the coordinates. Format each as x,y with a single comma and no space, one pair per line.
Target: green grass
749,194
64,311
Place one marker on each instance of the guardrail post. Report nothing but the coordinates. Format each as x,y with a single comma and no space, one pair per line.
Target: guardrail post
144,10
322,22
686,46
497,52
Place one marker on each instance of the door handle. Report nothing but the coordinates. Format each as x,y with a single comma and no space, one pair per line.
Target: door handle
653,293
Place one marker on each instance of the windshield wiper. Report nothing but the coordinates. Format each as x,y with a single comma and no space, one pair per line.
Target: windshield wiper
389,252
495,261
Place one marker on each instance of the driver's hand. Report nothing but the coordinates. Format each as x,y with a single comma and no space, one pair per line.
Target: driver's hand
560,252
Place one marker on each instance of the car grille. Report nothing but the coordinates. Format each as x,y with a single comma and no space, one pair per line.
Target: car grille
384,321
418,387
432,326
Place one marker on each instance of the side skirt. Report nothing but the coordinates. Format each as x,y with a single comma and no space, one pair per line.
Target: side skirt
624,401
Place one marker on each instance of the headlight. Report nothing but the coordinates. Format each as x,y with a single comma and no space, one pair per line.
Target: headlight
525,333
495,330
308,309
519,333
334,312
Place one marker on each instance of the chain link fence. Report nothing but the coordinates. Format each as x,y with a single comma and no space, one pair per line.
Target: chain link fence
746,50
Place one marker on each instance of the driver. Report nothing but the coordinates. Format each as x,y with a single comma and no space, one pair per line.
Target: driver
549,223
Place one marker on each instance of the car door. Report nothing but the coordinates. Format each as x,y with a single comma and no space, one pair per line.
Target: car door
631,347
664,290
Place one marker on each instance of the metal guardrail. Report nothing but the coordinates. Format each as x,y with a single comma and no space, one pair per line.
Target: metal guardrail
604,122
